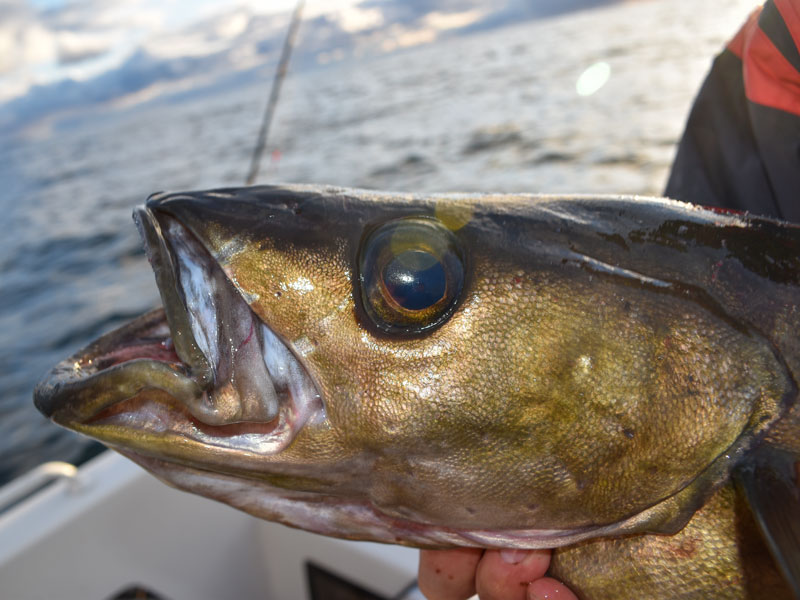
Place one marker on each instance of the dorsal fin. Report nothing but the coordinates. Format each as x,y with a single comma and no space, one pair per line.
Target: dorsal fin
768,479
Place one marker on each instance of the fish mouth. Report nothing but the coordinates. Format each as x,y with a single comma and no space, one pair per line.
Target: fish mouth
204,367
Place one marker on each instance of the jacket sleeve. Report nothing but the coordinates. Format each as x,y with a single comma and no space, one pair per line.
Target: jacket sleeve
741,146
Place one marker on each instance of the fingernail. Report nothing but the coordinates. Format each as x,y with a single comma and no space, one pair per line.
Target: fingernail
513,557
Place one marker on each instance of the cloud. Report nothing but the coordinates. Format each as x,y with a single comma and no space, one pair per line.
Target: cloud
23,41
77,39
102,15
87,54
25,44
209,36
454,20
354,18
74,47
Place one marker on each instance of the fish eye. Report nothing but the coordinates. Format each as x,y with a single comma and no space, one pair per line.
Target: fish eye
411,273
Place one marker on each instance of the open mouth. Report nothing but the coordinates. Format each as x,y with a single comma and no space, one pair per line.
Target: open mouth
203,367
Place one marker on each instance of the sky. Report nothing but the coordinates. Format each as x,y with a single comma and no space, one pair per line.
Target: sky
60,59
42,41
63,58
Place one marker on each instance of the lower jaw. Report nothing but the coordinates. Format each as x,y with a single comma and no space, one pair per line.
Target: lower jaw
153,419
116,391
161,407
338,516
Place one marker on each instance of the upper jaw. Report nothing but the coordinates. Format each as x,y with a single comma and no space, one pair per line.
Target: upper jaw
220,366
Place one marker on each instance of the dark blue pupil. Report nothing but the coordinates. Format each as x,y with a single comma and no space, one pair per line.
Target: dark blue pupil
415,279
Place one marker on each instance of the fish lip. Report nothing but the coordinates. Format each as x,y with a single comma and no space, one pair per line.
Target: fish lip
82,390
60,394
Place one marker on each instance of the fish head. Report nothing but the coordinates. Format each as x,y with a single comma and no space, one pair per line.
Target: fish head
438,370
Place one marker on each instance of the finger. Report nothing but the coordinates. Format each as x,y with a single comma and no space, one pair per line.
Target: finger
548,588
448,574
505,574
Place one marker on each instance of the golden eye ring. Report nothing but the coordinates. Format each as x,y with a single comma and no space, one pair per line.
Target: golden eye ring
411,274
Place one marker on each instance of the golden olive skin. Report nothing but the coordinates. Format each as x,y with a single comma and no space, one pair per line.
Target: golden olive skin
606,364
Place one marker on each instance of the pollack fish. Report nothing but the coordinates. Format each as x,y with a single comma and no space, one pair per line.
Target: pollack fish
615,377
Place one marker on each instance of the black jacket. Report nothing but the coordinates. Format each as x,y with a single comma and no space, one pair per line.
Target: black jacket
741,146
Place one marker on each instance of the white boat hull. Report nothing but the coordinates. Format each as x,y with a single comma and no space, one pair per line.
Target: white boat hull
112,527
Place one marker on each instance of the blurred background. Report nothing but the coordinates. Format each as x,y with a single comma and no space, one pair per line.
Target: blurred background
103,103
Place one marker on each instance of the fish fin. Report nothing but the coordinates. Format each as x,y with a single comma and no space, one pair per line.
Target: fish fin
768,480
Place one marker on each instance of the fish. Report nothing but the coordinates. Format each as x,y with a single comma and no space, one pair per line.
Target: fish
613,377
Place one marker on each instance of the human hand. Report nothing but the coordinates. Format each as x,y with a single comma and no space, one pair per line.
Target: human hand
493,574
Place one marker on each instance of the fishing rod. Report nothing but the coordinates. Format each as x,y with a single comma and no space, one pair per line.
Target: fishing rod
269,111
